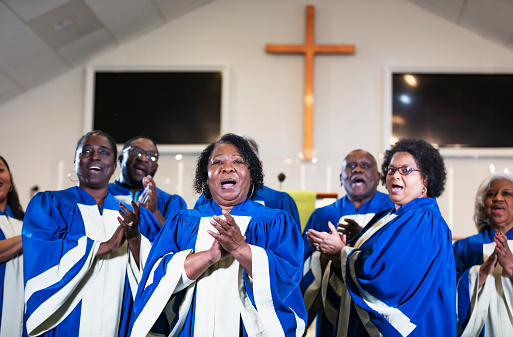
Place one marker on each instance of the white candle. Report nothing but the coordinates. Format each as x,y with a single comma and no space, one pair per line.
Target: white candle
179,185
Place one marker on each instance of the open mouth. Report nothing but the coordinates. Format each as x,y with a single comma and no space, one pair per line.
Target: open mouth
498,208
94,168
228,183
358,181
396,188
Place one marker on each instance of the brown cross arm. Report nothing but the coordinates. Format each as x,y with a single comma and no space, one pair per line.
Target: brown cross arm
285,48
316,49
333,49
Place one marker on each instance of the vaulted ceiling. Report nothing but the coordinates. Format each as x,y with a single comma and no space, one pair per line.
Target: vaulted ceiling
41,39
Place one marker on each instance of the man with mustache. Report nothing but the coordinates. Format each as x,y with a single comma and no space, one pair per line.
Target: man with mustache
139,162
360,178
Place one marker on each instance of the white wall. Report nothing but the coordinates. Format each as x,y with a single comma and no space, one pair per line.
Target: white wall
40,128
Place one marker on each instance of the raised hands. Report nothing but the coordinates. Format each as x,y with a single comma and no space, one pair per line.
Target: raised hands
229,235
487,268
149,195
217,252
129,219
231,240
128,230
227,240
503,253
148,198
350,229
329,244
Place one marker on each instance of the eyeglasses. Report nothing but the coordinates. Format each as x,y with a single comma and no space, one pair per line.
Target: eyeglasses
137,151
403,170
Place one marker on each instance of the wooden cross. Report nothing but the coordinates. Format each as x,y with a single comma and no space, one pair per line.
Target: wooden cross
309,49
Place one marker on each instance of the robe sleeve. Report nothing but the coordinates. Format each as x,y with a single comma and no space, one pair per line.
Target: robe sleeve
312,272
466,255
160,304
57,257
276,302
271,300
482,309
405,272
471,316
149,228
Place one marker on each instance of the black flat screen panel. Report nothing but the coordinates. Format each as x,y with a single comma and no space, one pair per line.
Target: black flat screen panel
174,108
454,110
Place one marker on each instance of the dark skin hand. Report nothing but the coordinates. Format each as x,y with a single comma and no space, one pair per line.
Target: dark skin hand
125,232
117,239
329,244
227,241
196,264
502,255
10,248
350,229
232,241
149,198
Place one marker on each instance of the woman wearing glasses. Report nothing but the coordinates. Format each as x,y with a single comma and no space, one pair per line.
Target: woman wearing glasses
138,162
84,251
399,271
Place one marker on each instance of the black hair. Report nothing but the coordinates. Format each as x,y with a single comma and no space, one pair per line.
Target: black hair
12,196
255,170
127,143
428,158
99,133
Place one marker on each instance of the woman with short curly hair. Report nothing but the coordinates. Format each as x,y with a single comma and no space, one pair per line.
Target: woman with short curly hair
242,145
399,271
232,266
428,159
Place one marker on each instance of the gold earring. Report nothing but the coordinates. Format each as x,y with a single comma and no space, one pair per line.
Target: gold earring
424,190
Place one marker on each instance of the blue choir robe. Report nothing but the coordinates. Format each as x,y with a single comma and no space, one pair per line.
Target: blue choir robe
68,290
268,304
269,198
400,276
323,299
167,204
485,311
11,281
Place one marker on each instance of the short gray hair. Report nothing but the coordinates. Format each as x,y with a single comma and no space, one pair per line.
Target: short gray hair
480,219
